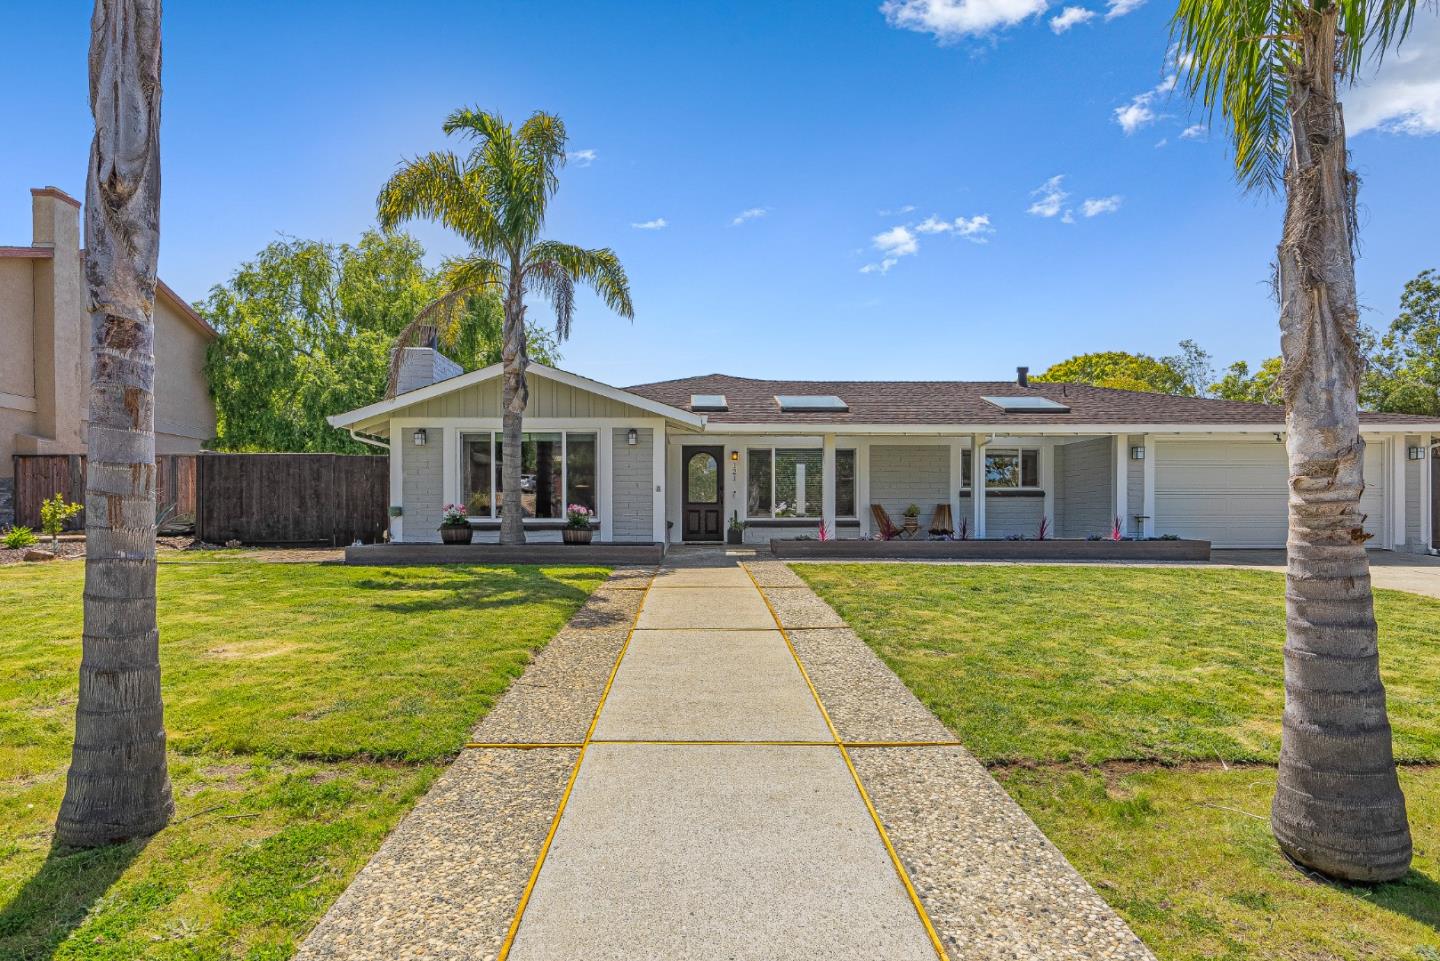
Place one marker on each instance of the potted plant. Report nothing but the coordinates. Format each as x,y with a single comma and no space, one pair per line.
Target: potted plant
455,525
912,518
577,524
736,532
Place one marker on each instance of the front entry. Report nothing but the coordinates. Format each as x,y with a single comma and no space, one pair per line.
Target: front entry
704,493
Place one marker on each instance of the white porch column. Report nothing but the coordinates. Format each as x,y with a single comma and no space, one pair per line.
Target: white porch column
1122,481
1047,481
827,484
1427,494
957,456
862,485
605,481
1149,472
449,465
397,481
1397,491
657,477
977,483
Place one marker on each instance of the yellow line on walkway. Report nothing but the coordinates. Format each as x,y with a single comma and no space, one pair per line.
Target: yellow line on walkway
935,941
509,941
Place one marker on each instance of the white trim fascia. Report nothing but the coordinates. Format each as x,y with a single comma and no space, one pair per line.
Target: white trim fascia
1427,495
1047,482
443,387
1007,430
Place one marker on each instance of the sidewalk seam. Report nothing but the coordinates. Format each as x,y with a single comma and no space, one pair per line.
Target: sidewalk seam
904,875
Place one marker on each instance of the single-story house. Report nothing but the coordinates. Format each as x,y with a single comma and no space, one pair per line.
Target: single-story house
676,461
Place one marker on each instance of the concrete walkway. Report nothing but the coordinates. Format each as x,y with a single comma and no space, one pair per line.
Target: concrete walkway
750,783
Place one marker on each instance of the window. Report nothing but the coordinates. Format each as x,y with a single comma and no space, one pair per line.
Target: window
844,483
791,483
556,469
1007,469
1004,468
702,479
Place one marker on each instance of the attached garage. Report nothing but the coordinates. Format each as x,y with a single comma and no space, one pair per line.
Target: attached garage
1235,492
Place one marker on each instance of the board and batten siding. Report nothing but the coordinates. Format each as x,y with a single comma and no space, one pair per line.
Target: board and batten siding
632,493
1084,498
421,481
905,474
548,399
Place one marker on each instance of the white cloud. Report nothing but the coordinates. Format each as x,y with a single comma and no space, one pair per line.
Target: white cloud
1052,197
1118,8
753,213
1404,94
659,223
1196,131
1162,142
1095,206
898,241
581,158
973,229
1140,111
908,208
883,267
951,20
1071,17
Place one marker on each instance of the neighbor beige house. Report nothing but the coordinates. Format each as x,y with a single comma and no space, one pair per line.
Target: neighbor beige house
44,365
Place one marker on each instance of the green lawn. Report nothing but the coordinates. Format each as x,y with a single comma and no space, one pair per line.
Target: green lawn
308,707
1135,714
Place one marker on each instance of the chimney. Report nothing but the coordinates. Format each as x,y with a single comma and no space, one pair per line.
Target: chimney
423,366
61,325
1022,376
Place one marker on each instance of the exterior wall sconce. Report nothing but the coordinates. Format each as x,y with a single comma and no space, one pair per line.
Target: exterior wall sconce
1416,453
420,437
632,437
1137,453
735,455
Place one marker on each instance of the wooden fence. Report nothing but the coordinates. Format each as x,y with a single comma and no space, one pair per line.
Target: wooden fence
333,499
39,477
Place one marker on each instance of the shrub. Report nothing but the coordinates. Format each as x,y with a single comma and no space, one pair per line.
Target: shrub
19,538
54,513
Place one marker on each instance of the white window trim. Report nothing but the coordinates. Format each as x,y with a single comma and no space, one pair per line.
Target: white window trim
967,455
798,518
497,438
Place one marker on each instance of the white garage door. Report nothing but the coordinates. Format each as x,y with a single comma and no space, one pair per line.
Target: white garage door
1234,494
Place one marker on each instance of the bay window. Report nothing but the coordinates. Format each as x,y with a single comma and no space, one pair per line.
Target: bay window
784,483
556,469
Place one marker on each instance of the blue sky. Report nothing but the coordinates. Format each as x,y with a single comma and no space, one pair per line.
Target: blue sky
897,157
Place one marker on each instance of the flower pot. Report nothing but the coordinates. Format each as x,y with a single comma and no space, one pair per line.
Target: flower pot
733,536
456,535
578,535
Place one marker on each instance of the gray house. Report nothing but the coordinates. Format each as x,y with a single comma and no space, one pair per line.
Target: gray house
677,460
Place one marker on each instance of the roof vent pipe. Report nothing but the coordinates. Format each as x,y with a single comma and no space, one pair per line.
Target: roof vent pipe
1022,376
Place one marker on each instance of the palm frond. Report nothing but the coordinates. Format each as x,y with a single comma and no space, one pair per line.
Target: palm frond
558,286
599,269
438,186
438,323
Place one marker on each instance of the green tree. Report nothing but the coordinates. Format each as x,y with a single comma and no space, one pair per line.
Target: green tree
1274,68
306,330
1261,387
496,197
1404,372
1185,373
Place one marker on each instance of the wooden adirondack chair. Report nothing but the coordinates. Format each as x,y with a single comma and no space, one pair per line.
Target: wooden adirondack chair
884,526
940,522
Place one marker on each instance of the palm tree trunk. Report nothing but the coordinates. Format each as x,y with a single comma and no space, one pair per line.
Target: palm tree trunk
118,786
515,395
1338,807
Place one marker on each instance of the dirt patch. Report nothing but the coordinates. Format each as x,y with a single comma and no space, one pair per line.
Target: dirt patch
67,549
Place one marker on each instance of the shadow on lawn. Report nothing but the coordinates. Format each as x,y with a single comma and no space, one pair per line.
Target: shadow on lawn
476,589
54,902
1416,896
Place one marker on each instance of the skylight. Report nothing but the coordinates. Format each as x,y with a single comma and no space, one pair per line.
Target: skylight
811,403
710,402
1027,405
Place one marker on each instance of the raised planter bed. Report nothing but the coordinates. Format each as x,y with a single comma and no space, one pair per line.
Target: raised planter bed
385,555
996,550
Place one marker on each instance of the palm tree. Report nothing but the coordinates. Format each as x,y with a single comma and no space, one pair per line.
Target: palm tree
495,197
1273,68
118,786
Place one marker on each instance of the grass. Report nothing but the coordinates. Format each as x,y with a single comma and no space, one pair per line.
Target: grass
308,707
1135,714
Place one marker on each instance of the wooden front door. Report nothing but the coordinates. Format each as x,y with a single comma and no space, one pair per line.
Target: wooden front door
704,493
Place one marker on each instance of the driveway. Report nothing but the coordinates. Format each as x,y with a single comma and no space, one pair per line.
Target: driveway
1416,573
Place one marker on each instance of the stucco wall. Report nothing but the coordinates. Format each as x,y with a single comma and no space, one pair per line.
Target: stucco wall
184,410
901,475
17,311
633,497
421,471
1083,494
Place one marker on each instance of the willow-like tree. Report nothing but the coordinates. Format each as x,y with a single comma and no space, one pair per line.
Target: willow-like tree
118,786
495,197
1273,68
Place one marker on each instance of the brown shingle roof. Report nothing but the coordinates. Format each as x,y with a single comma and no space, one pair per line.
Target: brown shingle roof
931,402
